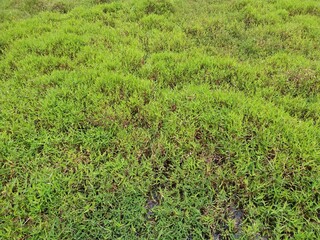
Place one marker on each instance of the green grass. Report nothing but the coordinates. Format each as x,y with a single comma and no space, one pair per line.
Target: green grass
159,119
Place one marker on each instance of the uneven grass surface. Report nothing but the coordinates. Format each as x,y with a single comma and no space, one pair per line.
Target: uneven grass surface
160,119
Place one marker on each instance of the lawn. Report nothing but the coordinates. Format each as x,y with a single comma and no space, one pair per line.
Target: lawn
159,119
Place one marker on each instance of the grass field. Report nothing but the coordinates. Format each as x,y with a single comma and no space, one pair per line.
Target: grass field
159,119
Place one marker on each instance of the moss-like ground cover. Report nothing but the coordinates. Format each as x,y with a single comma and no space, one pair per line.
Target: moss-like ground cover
159,119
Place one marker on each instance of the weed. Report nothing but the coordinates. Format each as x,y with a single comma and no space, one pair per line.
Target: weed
159,119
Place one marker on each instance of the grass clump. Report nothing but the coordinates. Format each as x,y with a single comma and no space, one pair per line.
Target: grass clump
158,6
159,119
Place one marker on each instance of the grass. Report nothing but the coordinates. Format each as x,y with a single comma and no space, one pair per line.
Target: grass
159,119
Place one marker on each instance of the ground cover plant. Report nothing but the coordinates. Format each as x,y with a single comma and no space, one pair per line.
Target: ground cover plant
159,119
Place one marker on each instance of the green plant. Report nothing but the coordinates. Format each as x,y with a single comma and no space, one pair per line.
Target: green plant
159,119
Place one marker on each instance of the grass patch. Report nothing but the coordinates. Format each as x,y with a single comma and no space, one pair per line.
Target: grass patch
159,119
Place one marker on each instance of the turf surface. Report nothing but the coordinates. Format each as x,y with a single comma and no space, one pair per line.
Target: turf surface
159,119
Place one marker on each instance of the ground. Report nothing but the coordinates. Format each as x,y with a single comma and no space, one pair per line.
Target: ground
159,119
